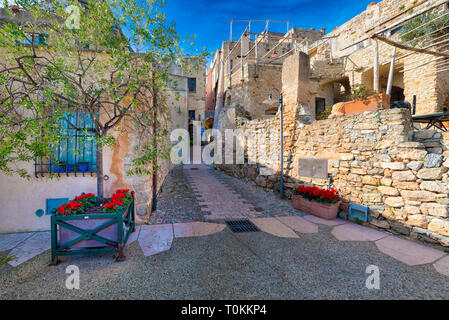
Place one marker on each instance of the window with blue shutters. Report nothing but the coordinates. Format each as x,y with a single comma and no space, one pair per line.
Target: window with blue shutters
40,39
76,152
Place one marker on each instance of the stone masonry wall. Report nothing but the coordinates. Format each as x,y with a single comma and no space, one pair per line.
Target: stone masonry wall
252,90
373,160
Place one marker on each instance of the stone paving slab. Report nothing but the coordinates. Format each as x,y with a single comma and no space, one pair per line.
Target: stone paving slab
407,251
155,239
134,236
354,232
442,266
334,222
10,240
299,224
274,227
196,229
31,247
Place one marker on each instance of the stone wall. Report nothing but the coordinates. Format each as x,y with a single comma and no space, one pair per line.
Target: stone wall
197,100
251,90
373,160
262,78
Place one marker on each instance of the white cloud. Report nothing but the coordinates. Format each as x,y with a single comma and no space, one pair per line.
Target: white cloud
10,2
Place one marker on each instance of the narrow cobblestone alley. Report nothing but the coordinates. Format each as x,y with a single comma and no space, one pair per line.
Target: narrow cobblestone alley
199,193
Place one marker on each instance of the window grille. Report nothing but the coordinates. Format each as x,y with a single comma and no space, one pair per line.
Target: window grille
76,152
192,84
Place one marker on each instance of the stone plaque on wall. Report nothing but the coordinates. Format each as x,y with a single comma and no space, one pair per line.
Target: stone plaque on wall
313,168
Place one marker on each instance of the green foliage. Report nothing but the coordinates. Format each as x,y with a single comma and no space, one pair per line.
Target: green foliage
360,92
324,114
427,34
114,64
6,259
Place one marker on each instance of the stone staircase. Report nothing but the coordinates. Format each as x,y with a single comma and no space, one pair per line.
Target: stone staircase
431,140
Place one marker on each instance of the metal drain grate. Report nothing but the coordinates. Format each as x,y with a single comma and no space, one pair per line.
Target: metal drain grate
238,226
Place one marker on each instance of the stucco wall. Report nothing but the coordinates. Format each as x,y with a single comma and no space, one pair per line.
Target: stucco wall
197,100
21,198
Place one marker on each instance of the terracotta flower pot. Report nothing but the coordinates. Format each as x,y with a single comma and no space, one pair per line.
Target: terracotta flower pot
328,211
369,104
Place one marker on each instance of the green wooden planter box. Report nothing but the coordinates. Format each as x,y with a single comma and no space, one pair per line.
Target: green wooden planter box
92,233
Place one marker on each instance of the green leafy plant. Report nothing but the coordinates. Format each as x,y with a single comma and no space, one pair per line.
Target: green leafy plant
6,259
433,29
361,92
94,67
120,199
88,200
323,115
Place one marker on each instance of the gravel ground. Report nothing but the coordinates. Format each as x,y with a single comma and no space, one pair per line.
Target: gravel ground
230,266
227,265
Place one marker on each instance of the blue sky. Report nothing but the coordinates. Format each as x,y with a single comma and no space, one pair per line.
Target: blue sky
209,19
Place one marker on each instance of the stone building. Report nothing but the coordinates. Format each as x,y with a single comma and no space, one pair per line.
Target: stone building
339,61
243,72
374,158
191,89
346,58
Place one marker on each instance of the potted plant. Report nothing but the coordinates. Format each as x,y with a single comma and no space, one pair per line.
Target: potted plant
318,202
61,167
83,166
364,99
83,226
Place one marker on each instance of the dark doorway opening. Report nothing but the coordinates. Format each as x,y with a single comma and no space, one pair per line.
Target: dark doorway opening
320,107
397,94
191,119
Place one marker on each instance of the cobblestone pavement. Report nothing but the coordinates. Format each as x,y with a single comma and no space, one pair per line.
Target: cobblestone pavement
176,200
199,193
268,203
217,198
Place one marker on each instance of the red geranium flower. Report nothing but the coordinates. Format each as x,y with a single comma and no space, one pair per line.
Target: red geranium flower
317,194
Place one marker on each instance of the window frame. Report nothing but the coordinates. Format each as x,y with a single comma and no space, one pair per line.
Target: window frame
191,88
67,159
